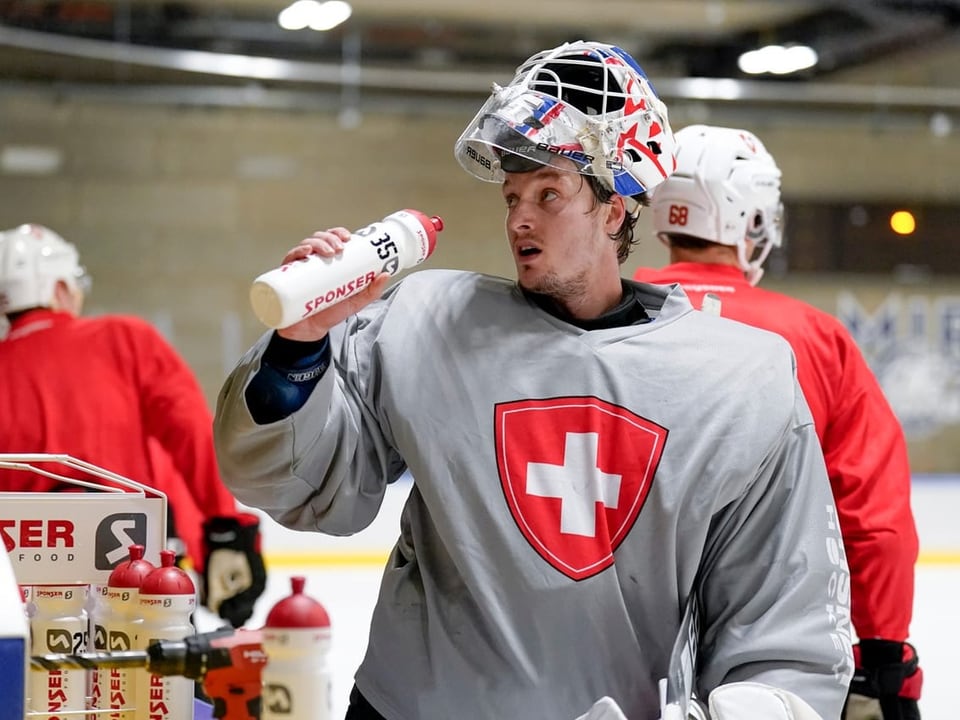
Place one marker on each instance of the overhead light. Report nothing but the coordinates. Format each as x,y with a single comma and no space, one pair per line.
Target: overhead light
940,124
778,60
30,160
314,15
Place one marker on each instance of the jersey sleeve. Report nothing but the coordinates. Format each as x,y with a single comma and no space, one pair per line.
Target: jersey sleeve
774,581
867,461
325,466
177,416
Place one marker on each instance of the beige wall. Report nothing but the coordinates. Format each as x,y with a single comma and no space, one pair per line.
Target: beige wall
176,210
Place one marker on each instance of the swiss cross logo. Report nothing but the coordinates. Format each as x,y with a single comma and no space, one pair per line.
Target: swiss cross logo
575,472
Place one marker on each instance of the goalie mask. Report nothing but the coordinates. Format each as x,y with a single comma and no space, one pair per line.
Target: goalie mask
726,189
585,102
33,259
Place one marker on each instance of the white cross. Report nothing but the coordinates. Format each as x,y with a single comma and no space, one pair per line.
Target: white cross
579,483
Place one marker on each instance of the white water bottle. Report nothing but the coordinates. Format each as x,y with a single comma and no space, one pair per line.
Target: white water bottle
168,598
296,638
116,623
297,290
58,625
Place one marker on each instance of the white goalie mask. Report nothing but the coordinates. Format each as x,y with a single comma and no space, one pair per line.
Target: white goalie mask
726,189
586,102
32,259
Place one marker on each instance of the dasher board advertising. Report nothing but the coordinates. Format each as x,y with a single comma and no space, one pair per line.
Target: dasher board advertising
55,538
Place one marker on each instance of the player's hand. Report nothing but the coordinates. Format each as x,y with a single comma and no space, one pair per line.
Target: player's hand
327,243
234,575
886,683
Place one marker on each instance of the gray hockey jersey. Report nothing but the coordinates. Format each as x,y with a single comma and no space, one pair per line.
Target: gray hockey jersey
571,490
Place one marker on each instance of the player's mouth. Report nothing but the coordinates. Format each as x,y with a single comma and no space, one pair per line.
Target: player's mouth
527,251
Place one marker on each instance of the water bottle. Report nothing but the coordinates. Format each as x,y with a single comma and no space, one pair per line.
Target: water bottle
296,638
297,290
115,626
167,600
58,625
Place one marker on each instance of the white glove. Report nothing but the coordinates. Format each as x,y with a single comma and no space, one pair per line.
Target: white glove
756,701
604,709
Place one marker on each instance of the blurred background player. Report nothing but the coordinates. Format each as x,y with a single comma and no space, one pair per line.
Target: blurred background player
720,214
111,391
577,476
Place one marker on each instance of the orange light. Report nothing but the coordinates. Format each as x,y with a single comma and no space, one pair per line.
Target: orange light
902,222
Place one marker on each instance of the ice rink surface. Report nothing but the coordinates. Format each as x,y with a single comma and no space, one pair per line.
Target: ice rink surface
344,575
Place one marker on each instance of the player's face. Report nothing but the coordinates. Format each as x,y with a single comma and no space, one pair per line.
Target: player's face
560,239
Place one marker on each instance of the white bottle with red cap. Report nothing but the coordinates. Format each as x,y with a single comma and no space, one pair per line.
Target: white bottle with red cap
115,628
167,601
58,625
296,638
297,290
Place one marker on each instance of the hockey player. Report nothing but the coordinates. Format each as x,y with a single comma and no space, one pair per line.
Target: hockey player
587,452
111,391
720,214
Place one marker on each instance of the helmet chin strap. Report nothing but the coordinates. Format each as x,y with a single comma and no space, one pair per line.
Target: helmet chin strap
754,274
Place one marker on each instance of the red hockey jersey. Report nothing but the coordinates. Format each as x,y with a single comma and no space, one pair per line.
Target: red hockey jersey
111,391
862,440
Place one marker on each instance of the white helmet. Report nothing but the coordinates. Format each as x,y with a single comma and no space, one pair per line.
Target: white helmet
32,259
584,101
726,189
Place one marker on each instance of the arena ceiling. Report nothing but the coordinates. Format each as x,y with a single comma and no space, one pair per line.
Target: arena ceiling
904,52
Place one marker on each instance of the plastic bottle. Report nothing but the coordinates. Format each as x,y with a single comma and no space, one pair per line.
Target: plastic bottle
58,625
167,600
296,290
29,610
296,638
115,628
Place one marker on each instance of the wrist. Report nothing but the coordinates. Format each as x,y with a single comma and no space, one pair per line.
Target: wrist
302,334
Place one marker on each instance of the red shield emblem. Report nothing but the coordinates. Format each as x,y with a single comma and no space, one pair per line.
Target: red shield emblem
575,472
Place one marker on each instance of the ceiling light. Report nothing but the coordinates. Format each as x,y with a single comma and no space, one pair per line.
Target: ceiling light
314,15
331,14
777,59
30,160
940,124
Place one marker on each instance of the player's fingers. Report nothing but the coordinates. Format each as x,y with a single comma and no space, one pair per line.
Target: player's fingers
325,243
366,296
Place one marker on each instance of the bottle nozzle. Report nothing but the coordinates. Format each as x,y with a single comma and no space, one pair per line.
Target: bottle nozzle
437,222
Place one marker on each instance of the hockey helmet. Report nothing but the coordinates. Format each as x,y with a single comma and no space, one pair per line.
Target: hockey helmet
587,102
33,259
726,189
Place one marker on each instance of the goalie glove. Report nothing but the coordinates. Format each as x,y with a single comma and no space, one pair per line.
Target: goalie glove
234,575
756,701
605,708
886,683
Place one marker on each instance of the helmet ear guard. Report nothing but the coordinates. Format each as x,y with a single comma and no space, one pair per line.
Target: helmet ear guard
33,259
582,107
726,189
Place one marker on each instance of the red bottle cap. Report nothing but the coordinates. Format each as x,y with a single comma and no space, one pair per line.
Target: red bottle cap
131,572
431,226
297,610
167,579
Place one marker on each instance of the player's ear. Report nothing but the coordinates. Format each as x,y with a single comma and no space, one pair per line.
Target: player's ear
66,298
616,211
